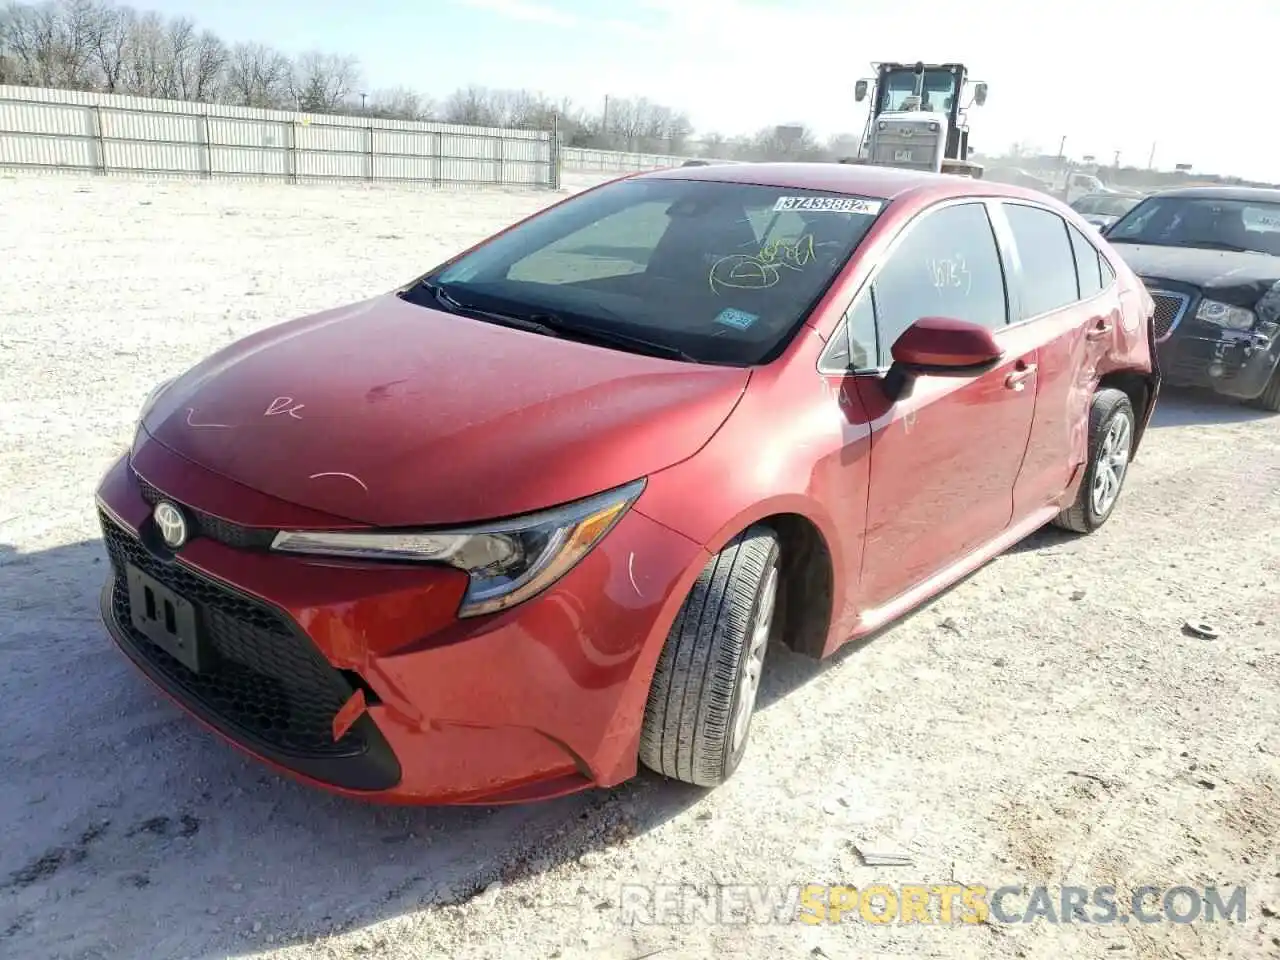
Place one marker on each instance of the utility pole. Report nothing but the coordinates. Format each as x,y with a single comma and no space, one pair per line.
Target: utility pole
1117,160
1151,160
1062,146
364,99
604,118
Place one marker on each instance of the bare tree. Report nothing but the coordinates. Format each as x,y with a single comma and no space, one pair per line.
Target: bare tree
78,20
108,40
322,82
257,76
145,57
180,50
32,38
208,67
472,105
401,103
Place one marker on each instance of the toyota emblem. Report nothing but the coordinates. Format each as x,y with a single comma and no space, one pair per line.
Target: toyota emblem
171,523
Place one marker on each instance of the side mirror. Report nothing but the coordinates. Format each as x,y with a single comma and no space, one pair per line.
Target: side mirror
941,346
980,94
860,91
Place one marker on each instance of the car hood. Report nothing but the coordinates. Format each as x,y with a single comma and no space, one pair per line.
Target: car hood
392,414
1241,279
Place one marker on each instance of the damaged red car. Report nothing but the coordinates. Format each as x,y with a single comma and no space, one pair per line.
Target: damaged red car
532,519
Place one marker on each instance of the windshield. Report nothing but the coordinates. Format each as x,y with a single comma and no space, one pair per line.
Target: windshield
1207,222
1105,206
939,89
718,272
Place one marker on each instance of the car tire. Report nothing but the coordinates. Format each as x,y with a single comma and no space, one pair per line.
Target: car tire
1269,399
1111,432
704,687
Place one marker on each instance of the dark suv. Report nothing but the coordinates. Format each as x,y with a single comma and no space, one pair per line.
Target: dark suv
1210,257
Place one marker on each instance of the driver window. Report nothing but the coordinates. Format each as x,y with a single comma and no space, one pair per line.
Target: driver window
948,265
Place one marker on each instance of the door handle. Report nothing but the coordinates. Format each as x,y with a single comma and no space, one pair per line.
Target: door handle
1100,329
1017,380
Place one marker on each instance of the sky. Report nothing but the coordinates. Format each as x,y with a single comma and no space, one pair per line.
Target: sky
1194,81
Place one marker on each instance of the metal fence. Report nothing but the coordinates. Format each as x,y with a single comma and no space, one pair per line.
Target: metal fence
107,134
607,161
78,131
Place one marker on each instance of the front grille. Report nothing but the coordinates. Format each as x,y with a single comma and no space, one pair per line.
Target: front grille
1170,307
207,525
264,684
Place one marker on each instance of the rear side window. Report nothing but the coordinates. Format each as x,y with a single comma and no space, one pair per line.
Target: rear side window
1048,263
948,265
1088,264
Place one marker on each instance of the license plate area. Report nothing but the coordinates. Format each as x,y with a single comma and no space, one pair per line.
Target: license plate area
166,619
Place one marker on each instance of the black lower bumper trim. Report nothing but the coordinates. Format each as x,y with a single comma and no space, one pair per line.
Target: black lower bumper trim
373,769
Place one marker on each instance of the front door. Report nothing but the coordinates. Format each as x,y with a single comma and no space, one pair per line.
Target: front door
944,459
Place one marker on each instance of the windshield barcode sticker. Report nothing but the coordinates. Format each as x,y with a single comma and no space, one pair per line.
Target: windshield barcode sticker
830,204
738,319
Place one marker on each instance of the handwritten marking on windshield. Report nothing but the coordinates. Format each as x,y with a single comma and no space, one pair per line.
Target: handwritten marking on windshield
741,271
283,405
191,423
338,473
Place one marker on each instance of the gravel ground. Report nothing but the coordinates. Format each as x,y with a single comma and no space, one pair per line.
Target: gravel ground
1046,722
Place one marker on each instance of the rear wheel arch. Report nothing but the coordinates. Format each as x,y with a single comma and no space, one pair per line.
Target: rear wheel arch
1140,388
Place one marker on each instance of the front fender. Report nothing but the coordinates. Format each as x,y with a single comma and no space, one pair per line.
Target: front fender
789,448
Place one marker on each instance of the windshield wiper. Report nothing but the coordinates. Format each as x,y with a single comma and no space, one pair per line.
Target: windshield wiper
1220,245
453,305
552,324
612,338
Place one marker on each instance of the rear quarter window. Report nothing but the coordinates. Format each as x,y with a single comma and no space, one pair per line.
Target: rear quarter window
1048,280
1088,264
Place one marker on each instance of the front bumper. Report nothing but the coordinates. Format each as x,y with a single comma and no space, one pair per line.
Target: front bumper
538,701
1235,366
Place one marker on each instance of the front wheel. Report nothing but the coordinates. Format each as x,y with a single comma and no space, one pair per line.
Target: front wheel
1111,433
704,686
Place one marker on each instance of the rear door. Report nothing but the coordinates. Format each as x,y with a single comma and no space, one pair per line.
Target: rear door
944,458
1064,312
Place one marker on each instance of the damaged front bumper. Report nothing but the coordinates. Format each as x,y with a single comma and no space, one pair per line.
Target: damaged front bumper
1234,364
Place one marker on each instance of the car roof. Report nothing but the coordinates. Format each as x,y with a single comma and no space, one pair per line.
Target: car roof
1243,194
885,183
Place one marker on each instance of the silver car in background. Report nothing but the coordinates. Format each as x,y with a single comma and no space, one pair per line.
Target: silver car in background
1104,209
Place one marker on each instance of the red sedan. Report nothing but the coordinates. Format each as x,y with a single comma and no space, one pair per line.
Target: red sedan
533,518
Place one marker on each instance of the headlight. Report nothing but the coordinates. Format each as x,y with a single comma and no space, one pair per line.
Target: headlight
148,403
508,561
1224,315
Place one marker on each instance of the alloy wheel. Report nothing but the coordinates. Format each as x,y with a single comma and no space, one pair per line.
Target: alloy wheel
1113,462
752,666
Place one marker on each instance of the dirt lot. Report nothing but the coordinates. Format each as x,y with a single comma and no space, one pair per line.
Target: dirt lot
1046,722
